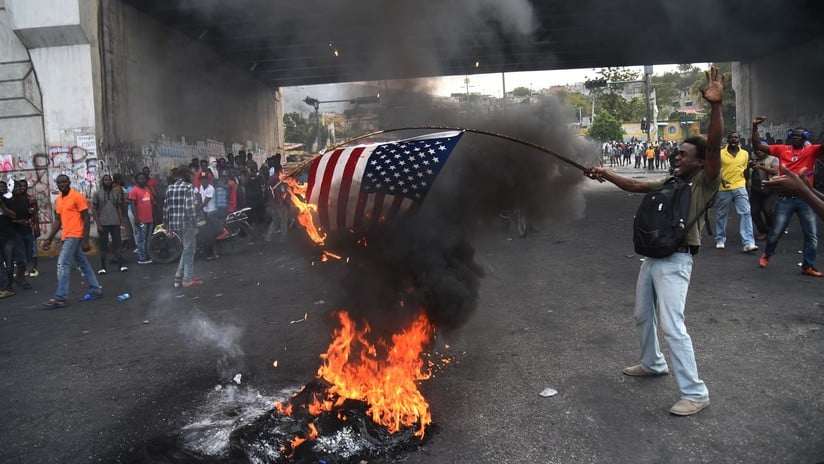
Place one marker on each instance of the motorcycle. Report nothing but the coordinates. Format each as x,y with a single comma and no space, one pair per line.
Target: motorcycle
165,246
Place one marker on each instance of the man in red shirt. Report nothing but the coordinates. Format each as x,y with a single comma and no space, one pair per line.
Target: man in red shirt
795,156
142,202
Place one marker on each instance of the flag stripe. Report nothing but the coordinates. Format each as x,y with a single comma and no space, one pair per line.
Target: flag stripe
377,208
355,191
345,185
357,221
313,169
326,188
395,207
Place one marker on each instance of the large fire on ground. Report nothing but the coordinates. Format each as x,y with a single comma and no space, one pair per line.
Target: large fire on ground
383,375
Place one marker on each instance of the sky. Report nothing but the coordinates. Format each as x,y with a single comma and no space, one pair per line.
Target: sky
488,84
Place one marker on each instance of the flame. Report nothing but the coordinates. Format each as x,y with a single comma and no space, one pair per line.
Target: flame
328,254
297,441
297,193
388,383
284,410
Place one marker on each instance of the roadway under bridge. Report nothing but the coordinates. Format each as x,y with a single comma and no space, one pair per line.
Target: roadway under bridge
88,86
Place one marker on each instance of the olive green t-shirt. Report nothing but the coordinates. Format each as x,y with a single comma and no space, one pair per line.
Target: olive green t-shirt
702,189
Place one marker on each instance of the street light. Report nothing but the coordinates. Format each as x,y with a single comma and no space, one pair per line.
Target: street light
315,103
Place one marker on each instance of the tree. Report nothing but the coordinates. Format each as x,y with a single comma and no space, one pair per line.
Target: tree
297,129
728,104
605,128
574,101
521,92
607,86
670,86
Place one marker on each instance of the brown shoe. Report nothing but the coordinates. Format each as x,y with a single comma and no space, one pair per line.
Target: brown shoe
638,371
811,271
687,407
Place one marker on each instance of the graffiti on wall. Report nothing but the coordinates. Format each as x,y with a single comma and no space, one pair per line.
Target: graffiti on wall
80,164
34,168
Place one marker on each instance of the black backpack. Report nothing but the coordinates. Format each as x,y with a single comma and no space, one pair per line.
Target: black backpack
661,224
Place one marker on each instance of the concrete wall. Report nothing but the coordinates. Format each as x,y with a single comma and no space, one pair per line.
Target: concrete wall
61,86
168,98
23,146
784,87
21,120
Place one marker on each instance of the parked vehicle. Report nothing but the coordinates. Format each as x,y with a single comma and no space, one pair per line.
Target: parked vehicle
237,234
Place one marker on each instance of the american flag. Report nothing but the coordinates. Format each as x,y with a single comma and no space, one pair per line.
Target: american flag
356,187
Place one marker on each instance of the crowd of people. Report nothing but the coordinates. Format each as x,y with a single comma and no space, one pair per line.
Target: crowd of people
652,155
125,211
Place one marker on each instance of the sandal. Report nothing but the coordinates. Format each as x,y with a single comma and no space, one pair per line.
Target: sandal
178,281
54,303
92,296
192,283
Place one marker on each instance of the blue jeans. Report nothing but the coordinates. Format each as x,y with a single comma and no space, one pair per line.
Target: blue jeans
784,209
741,199
141,235
185,268
23,249
660,296
71,256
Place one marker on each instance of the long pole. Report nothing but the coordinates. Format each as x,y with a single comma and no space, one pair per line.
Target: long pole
592,111
503,88
468,105
546,150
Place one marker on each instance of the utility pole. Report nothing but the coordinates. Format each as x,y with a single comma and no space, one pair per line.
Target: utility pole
647,74
315,103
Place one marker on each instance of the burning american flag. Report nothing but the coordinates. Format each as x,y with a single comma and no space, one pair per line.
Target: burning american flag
356,187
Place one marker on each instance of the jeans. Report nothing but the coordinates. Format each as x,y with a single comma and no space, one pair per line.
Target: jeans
784,209
660,297
141,236
23,250
185,268
741,199
71,256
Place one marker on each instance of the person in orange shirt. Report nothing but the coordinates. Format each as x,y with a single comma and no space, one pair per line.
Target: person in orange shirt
650,157
71,213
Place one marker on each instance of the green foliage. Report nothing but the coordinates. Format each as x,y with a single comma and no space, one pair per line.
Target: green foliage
298,129
574,100
670,86
608,98
521,92
728,104
605,128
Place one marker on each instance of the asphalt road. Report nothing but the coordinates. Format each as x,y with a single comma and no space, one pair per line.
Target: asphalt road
96,381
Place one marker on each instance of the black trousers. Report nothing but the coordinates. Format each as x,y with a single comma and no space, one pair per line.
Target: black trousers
7,260
761,207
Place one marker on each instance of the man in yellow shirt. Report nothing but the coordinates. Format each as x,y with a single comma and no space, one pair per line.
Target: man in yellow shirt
650,153
733,190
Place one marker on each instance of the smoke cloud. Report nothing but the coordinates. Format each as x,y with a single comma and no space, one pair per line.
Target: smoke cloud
427,261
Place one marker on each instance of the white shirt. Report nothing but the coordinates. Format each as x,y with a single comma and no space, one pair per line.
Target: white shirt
208,192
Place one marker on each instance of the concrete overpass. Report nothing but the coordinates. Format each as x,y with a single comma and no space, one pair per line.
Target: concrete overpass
88,86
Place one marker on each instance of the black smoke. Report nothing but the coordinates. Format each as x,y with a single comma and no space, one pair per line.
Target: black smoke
428,260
